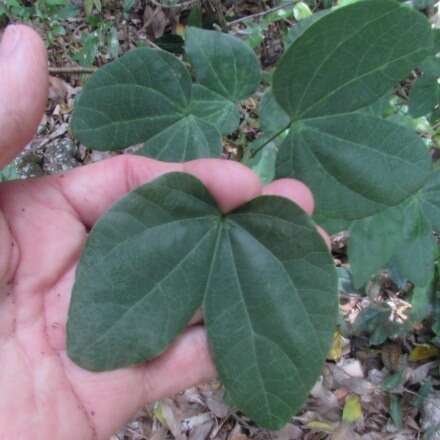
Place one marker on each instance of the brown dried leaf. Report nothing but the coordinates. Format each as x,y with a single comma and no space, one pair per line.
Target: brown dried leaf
391,354
59,90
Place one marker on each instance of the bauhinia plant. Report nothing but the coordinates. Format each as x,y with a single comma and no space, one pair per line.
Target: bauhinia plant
262,273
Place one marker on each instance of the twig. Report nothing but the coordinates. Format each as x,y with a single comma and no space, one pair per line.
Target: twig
72,69
261,14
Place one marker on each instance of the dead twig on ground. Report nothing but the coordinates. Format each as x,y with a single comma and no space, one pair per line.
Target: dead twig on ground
72,70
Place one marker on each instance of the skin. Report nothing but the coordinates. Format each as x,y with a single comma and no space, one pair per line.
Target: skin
43,227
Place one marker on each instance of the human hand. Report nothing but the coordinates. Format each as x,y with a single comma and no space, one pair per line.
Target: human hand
43,228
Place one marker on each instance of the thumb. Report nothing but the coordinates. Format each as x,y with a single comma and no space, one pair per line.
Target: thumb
23,88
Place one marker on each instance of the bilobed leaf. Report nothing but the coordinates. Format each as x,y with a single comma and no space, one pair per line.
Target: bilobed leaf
147,96
223,63
262,273
354,163
350,58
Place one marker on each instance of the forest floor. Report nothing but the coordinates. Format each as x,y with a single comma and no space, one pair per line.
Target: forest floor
381,377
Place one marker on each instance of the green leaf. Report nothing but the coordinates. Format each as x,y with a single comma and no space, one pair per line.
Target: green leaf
396,411
223,63
331,155
350,58
373,242
213,108
9,172
171,43
272,117
132,99
401,235
414,255
263,164
299,28
425,94
375,321
421,302
262,273
188,138
195,18
146,95
430,200
381,107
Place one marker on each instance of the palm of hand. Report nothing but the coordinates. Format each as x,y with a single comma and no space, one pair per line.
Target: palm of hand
43,227
44,232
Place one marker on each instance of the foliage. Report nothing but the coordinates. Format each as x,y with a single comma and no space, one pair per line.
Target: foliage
50,13
51,16
157,102
9,172
332,116
102,39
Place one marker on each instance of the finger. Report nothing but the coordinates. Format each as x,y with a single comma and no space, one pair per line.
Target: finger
112,398
231,183
189,356
293,190
91,190
23,88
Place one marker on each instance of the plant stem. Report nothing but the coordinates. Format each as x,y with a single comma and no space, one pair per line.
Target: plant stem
270,139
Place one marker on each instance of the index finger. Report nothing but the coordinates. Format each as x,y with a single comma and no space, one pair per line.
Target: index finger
91,190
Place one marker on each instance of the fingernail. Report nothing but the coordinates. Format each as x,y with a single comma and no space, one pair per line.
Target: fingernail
9,40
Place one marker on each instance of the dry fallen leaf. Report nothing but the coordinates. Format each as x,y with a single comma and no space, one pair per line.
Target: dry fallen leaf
59,90
423,353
